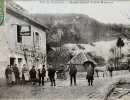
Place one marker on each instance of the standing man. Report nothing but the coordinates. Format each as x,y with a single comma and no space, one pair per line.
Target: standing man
72,73
8,73
39,76
16,74
33,75
43,74
90,73
110,69
51,74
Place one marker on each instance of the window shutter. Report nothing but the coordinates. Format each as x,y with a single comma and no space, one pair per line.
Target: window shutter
40,40
19,37
37,39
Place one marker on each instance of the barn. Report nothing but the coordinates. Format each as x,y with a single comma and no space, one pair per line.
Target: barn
79,59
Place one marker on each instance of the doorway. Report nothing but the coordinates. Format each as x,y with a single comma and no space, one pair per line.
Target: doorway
20,62
12,61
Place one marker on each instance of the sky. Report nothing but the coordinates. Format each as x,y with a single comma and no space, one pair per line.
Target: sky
111,12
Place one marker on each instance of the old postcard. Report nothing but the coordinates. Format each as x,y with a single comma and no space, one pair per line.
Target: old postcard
65,50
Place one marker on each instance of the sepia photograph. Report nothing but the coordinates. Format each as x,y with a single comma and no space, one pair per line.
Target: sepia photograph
64,50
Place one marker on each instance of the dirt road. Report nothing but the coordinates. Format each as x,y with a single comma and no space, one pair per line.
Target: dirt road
62,90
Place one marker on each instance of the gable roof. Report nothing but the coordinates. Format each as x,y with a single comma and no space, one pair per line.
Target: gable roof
80,59
12,6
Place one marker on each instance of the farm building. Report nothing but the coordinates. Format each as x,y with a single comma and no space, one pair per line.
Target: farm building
79,59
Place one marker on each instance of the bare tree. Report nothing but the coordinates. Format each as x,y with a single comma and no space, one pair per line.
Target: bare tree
59,55
120,29
31,54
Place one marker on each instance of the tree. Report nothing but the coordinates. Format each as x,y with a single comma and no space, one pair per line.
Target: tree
115,59
120,44
120,30
57,57
31,54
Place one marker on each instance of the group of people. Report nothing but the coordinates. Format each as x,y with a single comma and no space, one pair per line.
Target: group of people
9,72
13,71
41,73
89,76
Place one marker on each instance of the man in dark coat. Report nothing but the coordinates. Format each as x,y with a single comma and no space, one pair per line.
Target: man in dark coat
51,74
72,73
16,74
41,74
8,73
33,75
90,73
110,69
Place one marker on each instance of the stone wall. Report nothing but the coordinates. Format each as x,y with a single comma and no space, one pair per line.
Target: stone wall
83,74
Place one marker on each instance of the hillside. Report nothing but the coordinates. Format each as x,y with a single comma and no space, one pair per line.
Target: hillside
98,49
73,28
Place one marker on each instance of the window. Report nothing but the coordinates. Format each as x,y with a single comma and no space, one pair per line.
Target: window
19,37
38,39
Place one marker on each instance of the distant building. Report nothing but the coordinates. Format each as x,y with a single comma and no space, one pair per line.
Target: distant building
79,59
124,62
24,39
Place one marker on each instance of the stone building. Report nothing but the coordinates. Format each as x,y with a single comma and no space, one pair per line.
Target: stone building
23,40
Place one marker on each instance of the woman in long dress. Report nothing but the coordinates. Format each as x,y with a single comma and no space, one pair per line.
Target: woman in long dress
13,76
25,74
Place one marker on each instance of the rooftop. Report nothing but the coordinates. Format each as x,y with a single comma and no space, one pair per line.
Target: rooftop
81,58
11,5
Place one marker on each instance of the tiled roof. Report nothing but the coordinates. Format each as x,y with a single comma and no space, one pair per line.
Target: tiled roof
11,5
80,59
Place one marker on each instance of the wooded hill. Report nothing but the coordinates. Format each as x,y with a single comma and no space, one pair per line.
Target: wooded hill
73,28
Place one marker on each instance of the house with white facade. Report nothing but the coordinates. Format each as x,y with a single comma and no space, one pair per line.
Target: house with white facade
23,40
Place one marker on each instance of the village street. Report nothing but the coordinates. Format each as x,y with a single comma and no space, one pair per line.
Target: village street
40,39
62,90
